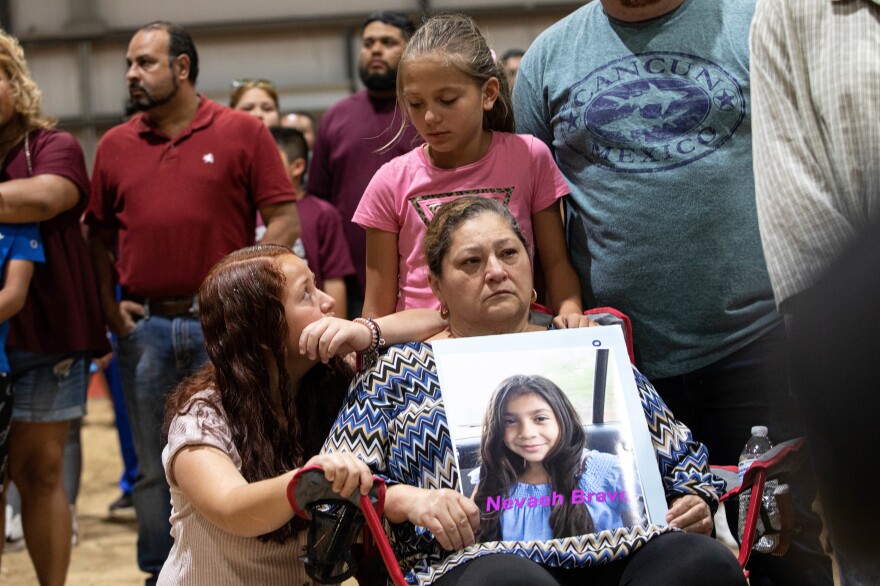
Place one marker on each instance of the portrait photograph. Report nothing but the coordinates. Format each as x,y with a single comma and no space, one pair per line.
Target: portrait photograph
548,433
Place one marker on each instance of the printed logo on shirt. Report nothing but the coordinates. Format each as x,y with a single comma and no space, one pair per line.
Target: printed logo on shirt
208,158
427,205
299,249
34,244
651,112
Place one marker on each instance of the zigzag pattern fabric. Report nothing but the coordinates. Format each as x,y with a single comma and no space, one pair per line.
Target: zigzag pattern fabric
393,418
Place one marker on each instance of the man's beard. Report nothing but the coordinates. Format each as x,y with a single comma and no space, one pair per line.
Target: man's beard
379,82
148,100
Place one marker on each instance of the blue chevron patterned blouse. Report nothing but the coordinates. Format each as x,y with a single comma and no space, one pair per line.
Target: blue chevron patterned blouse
393,418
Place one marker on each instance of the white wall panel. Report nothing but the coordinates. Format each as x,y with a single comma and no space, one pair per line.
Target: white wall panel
134,13
465,5
290,61
47,17
57,75
38,17
109,88
312,101
503,35
309,66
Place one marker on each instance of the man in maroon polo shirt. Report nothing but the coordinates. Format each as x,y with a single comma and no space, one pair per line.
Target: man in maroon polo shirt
173,190
352,132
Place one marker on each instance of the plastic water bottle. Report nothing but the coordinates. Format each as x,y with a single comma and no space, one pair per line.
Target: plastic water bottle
757,445
769,534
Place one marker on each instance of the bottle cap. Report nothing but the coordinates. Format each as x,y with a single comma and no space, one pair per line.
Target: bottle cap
759,430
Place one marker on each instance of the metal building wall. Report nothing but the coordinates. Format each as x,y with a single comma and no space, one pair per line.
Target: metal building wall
76,48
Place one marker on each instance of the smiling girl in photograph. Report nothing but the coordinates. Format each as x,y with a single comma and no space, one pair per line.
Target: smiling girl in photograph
457,98
533,446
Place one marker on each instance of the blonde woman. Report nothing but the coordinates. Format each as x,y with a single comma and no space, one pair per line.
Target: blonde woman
51,341
257,97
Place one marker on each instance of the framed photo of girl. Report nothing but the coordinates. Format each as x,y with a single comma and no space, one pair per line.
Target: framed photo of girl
550,436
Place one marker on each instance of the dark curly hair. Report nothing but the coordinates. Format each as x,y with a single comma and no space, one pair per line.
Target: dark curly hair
245,329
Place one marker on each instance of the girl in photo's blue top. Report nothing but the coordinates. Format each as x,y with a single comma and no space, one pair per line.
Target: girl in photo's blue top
534,446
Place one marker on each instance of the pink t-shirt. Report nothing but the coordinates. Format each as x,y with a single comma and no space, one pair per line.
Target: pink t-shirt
517,170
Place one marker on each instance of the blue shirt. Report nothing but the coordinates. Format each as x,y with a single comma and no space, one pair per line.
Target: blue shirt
602,475
17,242
649,123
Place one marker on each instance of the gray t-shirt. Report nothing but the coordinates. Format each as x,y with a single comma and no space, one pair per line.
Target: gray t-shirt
649,123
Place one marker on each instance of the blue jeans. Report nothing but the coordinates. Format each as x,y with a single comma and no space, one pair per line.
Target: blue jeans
49,387
720,403
153,358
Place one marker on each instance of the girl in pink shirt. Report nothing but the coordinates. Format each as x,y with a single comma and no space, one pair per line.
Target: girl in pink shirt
458,99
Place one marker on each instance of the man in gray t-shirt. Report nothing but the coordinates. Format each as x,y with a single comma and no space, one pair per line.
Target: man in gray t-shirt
645,106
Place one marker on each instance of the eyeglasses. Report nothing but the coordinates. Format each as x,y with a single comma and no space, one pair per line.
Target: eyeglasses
241,82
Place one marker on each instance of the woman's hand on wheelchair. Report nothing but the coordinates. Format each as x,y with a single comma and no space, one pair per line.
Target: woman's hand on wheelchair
345,472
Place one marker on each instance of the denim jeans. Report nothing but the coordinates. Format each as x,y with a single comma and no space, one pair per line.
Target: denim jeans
153,358
49,387
720,403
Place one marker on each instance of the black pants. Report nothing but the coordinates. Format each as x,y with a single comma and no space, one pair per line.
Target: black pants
674,559
835,336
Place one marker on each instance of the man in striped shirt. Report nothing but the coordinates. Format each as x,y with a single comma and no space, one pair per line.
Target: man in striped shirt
816,117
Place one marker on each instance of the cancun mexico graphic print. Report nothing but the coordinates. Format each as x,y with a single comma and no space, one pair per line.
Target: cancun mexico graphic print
651,112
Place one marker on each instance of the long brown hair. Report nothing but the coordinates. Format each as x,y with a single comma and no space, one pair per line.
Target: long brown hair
245,329
500,468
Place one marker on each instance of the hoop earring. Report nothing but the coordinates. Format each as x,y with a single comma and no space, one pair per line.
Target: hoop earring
534,296
444,312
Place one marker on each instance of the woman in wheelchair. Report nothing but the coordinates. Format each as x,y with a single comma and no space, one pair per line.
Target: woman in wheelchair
393,418
534,446
261,408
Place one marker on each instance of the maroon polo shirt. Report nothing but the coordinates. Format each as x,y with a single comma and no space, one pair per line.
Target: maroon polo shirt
179,205
324,240
61,313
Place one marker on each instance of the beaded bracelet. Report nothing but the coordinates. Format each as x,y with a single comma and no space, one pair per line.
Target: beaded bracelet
375,332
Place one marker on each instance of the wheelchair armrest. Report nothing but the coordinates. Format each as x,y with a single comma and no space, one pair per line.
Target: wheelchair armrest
308,485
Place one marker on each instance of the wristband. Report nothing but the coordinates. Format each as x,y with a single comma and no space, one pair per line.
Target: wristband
376,340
